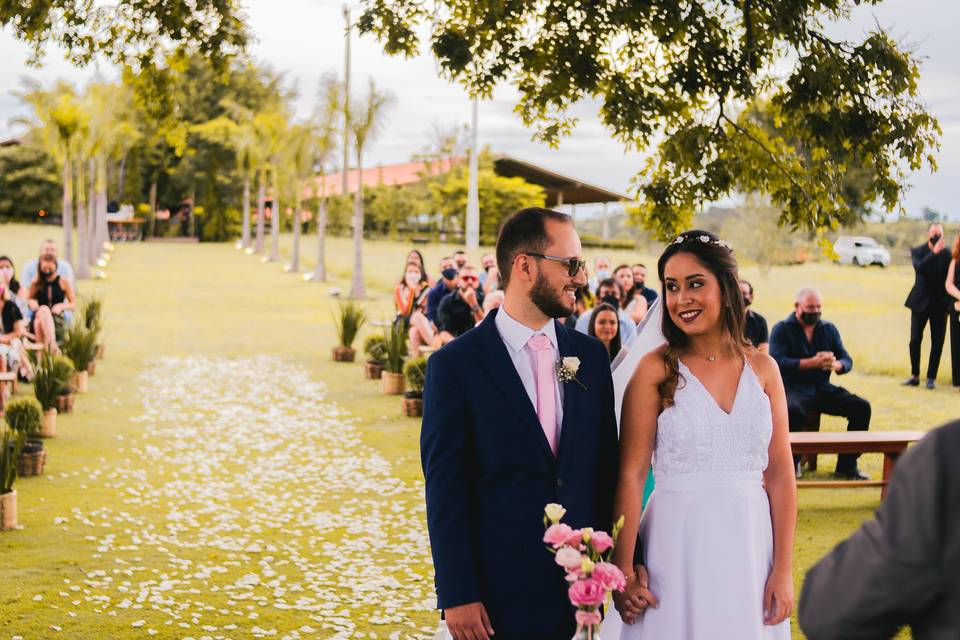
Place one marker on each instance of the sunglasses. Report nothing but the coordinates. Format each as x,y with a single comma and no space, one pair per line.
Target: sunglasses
469,279
574,265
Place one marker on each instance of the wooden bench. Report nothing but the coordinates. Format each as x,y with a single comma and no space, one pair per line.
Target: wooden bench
890,443
7,377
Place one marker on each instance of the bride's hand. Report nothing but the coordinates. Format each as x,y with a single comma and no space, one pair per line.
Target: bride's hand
778,598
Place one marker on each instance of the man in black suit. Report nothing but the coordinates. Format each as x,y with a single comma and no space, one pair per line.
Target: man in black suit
928,301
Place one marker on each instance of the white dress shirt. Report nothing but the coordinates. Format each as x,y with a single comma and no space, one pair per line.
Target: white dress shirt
515,336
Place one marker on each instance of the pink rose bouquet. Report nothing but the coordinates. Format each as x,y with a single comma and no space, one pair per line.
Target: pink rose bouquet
585,556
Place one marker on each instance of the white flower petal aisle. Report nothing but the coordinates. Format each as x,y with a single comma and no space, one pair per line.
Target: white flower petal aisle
270,501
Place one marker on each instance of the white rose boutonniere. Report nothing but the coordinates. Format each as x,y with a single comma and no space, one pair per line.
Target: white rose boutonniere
567,370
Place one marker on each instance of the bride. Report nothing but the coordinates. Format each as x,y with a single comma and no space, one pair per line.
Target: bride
710,412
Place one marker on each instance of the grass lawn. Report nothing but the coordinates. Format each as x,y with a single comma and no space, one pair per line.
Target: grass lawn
225,475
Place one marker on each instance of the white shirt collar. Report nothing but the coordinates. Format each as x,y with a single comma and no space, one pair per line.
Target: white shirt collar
516,335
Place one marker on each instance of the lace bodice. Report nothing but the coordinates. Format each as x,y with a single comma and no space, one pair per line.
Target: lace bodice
696,436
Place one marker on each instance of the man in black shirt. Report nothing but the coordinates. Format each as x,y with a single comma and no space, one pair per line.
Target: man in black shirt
640,283
928,301
462,309
755,327
808,350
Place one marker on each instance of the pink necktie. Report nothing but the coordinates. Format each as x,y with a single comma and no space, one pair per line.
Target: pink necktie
542,349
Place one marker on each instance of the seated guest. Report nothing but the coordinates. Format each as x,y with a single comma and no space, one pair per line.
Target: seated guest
410,298
808,350
50,297
610,292
9,280
755,326
488,261
605,327
48,249
492,301
446,285
903,567
601,272
416,256
492,282
459,259
640,284
461,310
13,355
633,304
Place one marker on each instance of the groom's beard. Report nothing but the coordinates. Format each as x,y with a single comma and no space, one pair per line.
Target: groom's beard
549,303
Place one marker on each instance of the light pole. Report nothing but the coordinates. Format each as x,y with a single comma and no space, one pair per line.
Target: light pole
473,196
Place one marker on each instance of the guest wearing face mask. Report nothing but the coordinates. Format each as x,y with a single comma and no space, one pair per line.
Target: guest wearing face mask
410,299
446,285
601,272
640,283
50,297
808,350
460,259
755,326
928,301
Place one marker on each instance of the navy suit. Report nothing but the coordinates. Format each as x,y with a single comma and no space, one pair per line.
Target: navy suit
490,471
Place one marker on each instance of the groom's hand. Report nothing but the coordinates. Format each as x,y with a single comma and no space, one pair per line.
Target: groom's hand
468,622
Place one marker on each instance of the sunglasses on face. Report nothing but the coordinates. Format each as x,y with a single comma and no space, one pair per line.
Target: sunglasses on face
469,279
574,265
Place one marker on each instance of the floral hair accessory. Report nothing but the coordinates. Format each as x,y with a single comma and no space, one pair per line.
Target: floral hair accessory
705,239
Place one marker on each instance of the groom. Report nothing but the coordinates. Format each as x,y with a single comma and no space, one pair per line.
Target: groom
503,437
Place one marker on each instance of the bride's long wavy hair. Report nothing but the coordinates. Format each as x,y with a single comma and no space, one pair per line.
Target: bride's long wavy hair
717,257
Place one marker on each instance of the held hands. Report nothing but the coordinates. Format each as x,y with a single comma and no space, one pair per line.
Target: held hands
777,598
57,309
468,622
636,597
824,361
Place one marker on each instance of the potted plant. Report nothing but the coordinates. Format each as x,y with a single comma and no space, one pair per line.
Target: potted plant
395,354
415,371
10,444
51,375
349,322
80,345
23,417
374,349
92,313
65,400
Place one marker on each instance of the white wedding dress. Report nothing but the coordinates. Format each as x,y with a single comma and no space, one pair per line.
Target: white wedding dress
706,529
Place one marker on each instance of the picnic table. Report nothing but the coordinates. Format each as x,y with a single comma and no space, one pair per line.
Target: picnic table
892,444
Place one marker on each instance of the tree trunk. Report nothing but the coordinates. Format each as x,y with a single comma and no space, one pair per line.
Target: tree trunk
275,222
151,223
320,271
123,167
67,211
81,264
295,256
245,238
93,209
358,289
261,206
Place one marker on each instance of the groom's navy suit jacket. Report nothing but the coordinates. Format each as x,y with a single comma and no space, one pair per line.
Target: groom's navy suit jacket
489,473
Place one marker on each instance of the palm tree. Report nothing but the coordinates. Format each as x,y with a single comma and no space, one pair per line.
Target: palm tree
269,126
366,121
59,118
327,117
301,153
237,132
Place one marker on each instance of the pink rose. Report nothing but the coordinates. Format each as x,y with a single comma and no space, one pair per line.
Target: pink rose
588,618
576,538
609,576
601,541
569,559
587,593
557,535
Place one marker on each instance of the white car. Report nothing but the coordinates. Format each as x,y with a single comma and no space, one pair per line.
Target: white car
861,250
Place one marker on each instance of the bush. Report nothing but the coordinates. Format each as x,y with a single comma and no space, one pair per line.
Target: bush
349,321
415,371
395,348
80,345
374,347
24,415
52,374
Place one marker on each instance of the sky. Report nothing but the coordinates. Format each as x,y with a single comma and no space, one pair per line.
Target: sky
303,39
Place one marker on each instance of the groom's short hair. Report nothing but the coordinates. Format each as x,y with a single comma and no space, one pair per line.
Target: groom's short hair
526,230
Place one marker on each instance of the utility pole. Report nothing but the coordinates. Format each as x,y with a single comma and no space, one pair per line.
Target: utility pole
473,196
346,102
